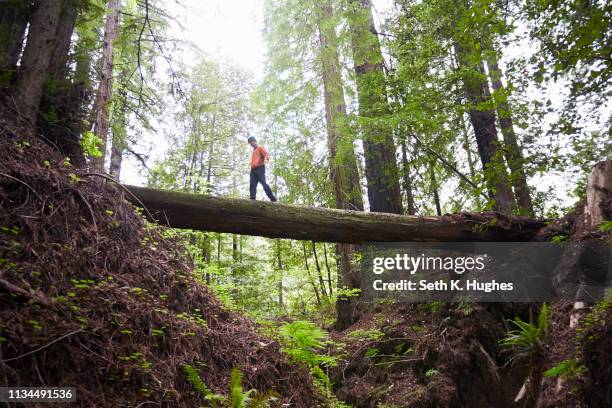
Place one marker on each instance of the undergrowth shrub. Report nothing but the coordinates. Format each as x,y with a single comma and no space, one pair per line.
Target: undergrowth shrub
303,342
528,338
237,398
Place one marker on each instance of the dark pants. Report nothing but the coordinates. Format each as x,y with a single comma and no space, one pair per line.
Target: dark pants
258,175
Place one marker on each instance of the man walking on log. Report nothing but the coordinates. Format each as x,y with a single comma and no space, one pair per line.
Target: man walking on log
259,158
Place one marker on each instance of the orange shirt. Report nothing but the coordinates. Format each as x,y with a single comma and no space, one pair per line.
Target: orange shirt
259,157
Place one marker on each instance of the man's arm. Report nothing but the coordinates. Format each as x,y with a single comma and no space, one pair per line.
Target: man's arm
266,155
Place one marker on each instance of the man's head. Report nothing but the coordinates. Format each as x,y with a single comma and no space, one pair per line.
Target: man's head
252,141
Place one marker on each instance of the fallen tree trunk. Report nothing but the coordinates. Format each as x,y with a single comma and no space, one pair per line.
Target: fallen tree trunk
274,220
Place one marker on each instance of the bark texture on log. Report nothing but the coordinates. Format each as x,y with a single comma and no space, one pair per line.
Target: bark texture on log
275,220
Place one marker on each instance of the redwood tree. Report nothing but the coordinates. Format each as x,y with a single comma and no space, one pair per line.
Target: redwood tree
343,163
381,170
62,102
41,43
483,121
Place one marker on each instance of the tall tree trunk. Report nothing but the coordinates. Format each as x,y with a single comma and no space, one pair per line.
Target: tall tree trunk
343,163
235,254
309,275
40,44
465,143
206,257
241,246
512,150
116,159
318,266
381,170
63,96
434,188
279,261
329,275
103,99
483,122
407,180
119,134
211,147
13,22
58,66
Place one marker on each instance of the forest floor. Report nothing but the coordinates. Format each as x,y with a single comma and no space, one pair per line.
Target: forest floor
443,355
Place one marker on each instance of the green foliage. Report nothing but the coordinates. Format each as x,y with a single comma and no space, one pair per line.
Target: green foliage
559,239
605,226
193,317
567,368
303,341
372,334
574,39
431,307
193,376
237,398
527,339
216,109
431,372
597,318
90,144
35,324
346,293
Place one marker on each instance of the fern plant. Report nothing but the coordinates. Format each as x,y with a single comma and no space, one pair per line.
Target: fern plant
304,340
238,397
527,338
567,368
193,376
605,226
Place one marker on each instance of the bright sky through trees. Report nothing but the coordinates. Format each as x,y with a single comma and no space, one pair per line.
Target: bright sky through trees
225,29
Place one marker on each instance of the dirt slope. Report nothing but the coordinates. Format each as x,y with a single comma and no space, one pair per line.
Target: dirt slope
92,296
